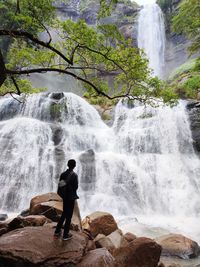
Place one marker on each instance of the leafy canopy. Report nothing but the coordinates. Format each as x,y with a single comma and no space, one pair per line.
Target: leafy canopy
187,21
86,53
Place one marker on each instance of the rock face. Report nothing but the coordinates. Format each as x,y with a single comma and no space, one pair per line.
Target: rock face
3,217
194,116
142,252
35,246
99,223
178,245
97,258
51,206
31,220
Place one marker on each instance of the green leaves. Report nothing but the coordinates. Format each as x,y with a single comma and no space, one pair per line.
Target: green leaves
107,64
187,21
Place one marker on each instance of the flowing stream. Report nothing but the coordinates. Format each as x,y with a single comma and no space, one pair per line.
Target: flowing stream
143,166
151,35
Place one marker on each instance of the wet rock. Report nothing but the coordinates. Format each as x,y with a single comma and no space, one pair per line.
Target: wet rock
57,96
141,252
3,228
178,245
35,246
57,134
25,213
87,160
97,258
99,223
3,217
194,117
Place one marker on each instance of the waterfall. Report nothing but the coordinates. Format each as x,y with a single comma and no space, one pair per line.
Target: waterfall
143,164
151,35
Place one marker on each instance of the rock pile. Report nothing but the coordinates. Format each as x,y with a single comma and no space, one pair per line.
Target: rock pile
97,241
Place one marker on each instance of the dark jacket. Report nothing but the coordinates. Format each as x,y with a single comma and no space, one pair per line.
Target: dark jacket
72,185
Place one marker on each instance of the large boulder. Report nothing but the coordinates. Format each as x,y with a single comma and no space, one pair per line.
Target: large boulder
117,239
141,252
99,223
31,220
102,241
178,245
35,246
44,198
97,258
51,206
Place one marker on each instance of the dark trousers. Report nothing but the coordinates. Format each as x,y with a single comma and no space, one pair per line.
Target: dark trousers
68,207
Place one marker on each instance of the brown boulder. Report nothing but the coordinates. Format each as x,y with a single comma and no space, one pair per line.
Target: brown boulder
50,209
130,237
44,198
51,206
141,252
104,242
178,245
97,258
99,223
31,220
35,246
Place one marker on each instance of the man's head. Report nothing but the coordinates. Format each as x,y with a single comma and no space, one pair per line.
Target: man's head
71,164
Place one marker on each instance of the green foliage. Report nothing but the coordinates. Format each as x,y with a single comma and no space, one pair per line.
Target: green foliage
24,85
187,21
184,68
192,86
86,53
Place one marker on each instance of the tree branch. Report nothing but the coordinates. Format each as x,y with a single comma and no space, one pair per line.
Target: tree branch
3,75
29,36
43,70
16,85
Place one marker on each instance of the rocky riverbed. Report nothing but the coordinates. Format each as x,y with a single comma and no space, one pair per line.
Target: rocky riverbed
27,240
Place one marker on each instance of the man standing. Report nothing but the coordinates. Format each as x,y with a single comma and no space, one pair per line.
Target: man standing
68,184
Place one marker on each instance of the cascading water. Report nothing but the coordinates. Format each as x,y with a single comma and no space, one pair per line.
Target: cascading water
151,35
144,165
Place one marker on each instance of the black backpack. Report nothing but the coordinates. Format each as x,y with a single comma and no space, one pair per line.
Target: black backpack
63,184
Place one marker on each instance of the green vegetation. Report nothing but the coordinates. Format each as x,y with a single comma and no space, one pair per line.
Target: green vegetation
186,79
85,53
187,21
184,68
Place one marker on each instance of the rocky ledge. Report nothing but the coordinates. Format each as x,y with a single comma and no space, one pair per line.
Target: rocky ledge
28,241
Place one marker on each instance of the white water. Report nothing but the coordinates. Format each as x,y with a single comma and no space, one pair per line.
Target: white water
151,35
144,166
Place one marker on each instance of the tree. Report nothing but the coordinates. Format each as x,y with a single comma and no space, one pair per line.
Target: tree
187,21
85,53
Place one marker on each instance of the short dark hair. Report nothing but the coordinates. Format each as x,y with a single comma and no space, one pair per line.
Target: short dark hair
71,163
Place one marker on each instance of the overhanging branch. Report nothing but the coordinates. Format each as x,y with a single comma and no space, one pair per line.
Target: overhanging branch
44,70
29,36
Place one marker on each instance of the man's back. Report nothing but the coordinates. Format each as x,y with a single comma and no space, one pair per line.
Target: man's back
71,179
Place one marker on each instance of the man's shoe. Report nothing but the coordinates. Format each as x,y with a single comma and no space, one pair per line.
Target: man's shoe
57,234
67,237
